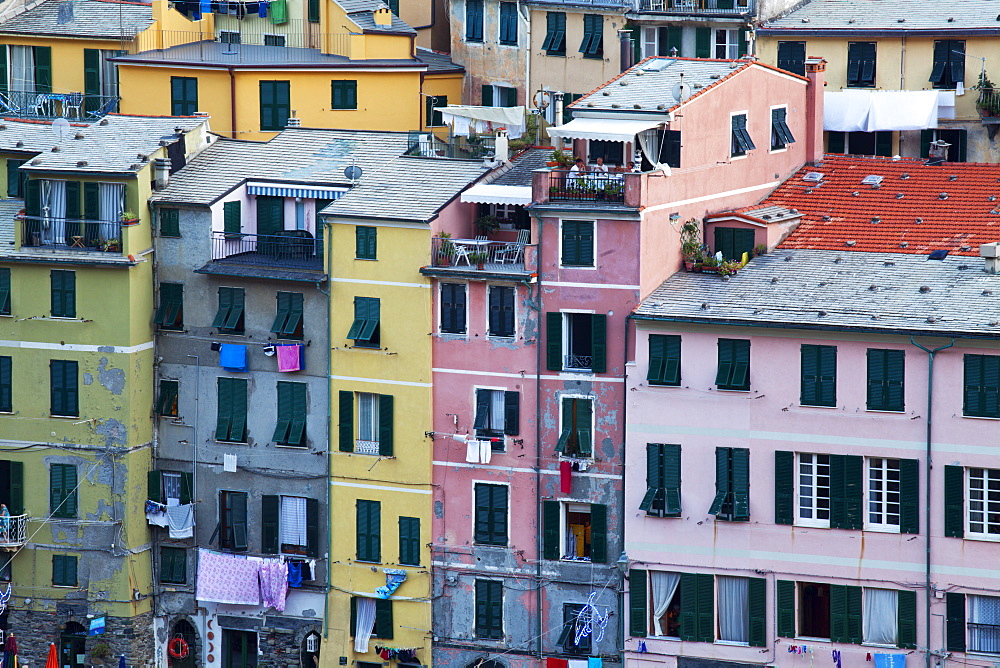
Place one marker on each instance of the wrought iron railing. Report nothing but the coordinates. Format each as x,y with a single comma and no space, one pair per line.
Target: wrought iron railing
241,41
291,248
13,531
71,234
74,106
475,147
984,637
988,103
578,362
469,254
734,7
586,187
366,447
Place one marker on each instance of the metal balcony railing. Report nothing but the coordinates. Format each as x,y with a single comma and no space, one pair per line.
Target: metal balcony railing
476,147
578,362
586,187
71,234
290,249
244,41
73,106
366,447
695,7
984,637
13,531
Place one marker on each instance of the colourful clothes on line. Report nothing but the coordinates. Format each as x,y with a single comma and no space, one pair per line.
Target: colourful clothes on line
233,357
223,578
274,584
295,574
289,357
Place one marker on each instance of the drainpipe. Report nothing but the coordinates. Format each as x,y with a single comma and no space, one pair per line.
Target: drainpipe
927,491
194,438
527,57
621,496
538,447
232,101
328,233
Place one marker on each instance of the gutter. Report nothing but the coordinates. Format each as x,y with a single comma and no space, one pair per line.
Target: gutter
328,232
232,101
539,537
883,32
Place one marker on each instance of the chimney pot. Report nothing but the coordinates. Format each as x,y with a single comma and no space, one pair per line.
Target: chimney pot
991,257
161,173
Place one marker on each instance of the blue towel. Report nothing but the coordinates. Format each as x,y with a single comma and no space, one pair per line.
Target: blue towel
233,357
890,660
595,662
294,573
263,9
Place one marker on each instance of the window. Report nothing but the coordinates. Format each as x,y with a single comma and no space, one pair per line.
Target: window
169,487
501,311
409,541
497,414
291,426
173,565
230,37
313,11
568,640
861,64
663,480
274,40
473,20
984,502
732,485
170,314
593,36
733,242
170,223
369,530
885,380
275,104
664,360
982,386
489,609
555,34
883,493
233,520
375,423
433,113
818,375
166,402
100,77
813,492
508,23
289,525
229,317
453,308
583,338
575,531
612,152
365,330
365,242
568,99
984,624
734,365
6,385
781,135
741,142
381,610
576,438
393,6
491,514
63,385
63,293
64,570
62,490
499,96
949,63
184,95
665,604
734,608
814,610
31,69
231,422
792,57
232,219
344,95
879,628
577,243
727,44
288,316
4,291
860,143
15,179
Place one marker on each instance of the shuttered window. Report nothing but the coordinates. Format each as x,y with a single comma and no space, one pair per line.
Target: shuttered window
906,619
818,375
845,614
733,242
983,498
170,223
554,43
734,365
948,68
568,640
453,308
697,618
955,621
501,311
15,179
43,68
229,318
473,20
312,11
663,480
232,219
365,242
860,64
580,520
576,438
289,525
781,134
954,501
369,530
290,428
847,492
365,329
169,486
183,96
288,315
785,608
6,385
63,302
577,243
982,386
231,418
64,388
432,112
166,402
233,521
173,565
491,514
375,423
592,45
664,360
344,94
170,312
489,609
498,413
885,379
62,490
785,488
792,57
637,603
64,570
732,485
741,141
275,105
409,541
508,23
4,291
383,627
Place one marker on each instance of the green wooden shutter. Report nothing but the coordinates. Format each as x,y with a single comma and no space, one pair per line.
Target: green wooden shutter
312,527
170,223
672,479
637,602
385,423
63,292
724,241
846,492
883,144
598,533
32,200
383,619
906,619
297,430
688,617
511,413
354,615
409,541
909,496
584,424
926,137
4,72
654,478
238,507
91,72
838,613
855,611
238,429
14,175
154,486
4,290
722,491
232,218
785,603
487,93
482,516
187,488
551,520
553,341
657,359
224,409
270,514
955,621
705,585
703,42
784,487
818,379
43,69
16,486
313,11
346,427
741,483
284,417
73,205
954,502
6,385
599,343
757,607
91,200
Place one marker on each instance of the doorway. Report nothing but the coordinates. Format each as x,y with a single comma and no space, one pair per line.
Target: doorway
73,646
239,649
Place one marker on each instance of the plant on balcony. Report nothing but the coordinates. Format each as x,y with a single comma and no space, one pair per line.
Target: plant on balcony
446,250
561,159
488,224
129,218
758,250
112,245
710,265
478,259
729,267
690,242
988,102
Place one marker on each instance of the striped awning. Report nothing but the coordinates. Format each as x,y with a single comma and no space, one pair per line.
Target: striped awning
305,193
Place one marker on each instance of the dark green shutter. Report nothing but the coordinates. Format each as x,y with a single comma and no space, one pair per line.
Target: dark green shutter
553,341
91,72
955,621
672,478
346,427
654,478
6,385
703,42
63,285
511,413
599,342
637,602
385,423
906,618
855,611
312,527
187,488
284,417
757,607
232,218
383,619
741,483
705,585
32,200
275,104
926,137
664,359
170,223
238,509
354,615
818,379
4,290
784,488
313,11
954,501
43,69
838,613
598,533
154,487
836,142
73,205
409,541
688,617
270,512
91,200
551,520
297,430
16,487
487,92
785,605
846,492
4,72
885,379
14,175
722,489
909,496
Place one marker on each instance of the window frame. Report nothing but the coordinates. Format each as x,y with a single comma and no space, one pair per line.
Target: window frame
70,396
571,612
291,425
362,323
987,395
433,117
734,373
474,21
780,130
184,104
507,20
577,454
741,143
491,621
61,564
591,262
289,313
5,291
373,530
415,542
347,91
230,310
887,356
502,311
592,46
168,575
945,79
270,119
811,392
365,242
731,43
64,501
229,538
489,531
237,386
169,314
800,68
885,503
168,392
6,384
815,496
454,327
664,370
63,294
967,510
511,423
555,34
860,64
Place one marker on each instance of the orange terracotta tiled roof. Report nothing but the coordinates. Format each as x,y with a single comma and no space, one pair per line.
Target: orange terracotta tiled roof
915,209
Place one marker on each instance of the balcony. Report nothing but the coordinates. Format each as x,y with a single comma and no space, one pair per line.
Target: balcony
576,187
578,362
695,7
475,147
48,106
244,42
71,234
984,638
292,249
13,531
474,258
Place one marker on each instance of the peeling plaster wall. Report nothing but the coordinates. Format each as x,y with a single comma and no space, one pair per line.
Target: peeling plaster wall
488,63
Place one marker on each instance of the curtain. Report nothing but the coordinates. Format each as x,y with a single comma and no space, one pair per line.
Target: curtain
172,488
649,143
879,616
365,623
984,610
54,211
664,586
109,75
734,600
293,521
367,416
496,410
112,197
22,69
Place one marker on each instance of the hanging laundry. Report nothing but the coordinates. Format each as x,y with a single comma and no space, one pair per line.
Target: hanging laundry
556,663
472,452
890,660
252,7
223,578
577,663
565,476
485,451
295,574
835,655
289,357
262,12
393,578
205,6
181,520
595,662
156,514
233,357
274,584
279,12
365,623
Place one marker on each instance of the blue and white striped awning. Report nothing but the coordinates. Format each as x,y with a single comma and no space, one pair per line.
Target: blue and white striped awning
305,193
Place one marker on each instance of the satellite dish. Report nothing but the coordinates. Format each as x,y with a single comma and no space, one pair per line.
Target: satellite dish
682,91
60,126
542,99
353,172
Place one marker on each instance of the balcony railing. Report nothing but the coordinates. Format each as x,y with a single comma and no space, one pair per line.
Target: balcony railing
244,41
716,7
578,362
74,106
366,447
71,234
294,249
471,254
475,148
13,531
586,187
984,637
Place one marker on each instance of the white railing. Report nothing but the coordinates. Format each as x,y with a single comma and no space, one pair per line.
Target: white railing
366,447
13,530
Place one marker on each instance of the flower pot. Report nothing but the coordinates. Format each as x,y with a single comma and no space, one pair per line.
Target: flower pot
688,265
130,222
480,265
552,163
444,261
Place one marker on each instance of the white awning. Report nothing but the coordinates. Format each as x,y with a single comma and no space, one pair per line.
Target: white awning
485,193
875,110
605,129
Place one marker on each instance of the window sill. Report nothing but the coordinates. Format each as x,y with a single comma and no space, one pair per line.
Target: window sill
454,335
219,332
370,259
588,267
732,389
231,442
816,406
880,529
556,55
652,384
744,156
732,643
63,318
291,447
6,315
806,524
981,417
576,560
984,537
873,644
811,639
65,417
502,337
363,347
885,410
778,149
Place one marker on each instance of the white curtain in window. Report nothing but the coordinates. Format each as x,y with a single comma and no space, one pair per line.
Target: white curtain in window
879,616
22,69
496,410
53,210
984,610
172,488
664,586
293,521
734,612
109,75
112,197
367,417
365,623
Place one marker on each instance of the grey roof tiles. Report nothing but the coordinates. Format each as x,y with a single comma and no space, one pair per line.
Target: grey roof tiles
891,15
109,19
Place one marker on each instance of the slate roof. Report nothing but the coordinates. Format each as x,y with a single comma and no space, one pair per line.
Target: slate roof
522,165
437,62
108,19
360,11
822,289
932,16
407,188
295,155
34,136
905,214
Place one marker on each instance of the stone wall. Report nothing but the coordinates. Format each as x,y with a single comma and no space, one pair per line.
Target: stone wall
131,636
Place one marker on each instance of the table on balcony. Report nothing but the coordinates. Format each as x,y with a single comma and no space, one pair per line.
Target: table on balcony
466,247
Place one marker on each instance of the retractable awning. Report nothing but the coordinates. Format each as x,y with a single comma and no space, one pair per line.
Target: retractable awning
604,129
291,191
485,193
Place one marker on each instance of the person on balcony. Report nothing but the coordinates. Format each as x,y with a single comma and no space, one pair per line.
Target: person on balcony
600,167
4,523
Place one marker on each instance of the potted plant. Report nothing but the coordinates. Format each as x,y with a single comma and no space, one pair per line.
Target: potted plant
699,260
100,652
488,224
446,250
759,249
710,265
988,102
729,267
111,245
129,219
479,259
690,242
560,159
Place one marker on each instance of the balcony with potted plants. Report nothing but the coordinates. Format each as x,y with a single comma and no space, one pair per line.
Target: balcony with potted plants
487,252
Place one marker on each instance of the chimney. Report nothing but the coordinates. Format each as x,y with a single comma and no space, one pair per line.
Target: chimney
816,73
502,151
559,102
382,16
991,255
293,122
625,43
161,173
938,152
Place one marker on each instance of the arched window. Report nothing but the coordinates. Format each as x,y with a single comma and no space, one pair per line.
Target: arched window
184,630
310,650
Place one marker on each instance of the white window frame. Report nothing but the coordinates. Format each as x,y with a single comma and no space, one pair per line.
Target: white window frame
512,337
575,267
651,623
732,43
472,515
440,311
175,481
729,151
969,632
281,524
718,611
869,481
770,114
564,529
593,424
800,463
502,390
504,211
365,446
986,504
566,340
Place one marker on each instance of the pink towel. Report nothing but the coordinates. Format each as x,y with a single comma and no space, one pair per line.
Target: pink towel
288,358
226,579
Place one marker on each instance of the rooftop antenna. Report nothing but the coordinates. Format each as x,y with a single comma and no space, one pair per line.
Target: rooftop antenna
681,91
60,127
353,172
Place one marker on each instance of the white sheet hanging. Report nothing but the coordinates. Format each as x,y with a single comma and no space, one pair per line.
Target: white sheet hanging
465,118
880,110
365,623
